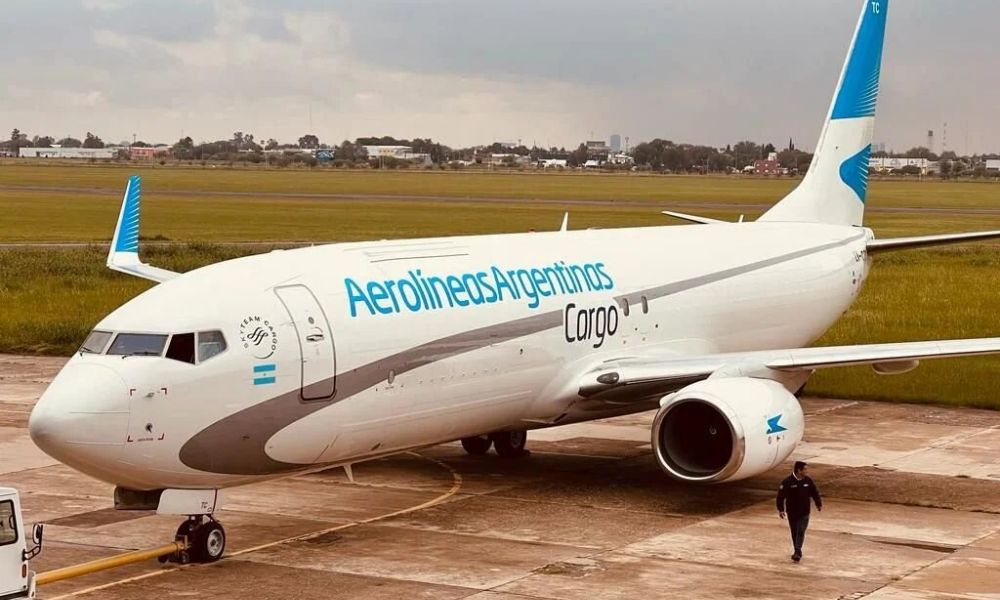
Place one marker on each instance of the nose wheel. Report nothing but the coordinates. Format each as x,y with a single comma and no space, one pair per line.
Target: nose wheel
206,541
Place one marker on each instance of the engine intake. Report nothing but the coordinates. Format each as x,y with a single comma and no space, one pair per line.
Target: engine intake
726,429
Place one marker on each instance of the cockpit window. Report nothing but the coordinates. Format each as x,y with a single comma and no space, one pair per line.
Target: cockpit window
138,344
182,347
96,342
210,343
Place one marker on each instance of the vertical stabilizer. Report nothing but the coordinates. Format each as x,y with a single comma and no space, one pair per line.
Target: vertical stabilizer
835,188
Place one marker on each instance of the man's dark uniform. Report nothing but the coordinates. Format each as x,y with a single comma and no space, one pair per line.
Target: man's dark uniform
794,496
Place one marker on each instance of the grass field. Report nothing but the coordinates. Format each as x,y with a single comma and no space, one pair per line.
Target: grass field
49,298
544,185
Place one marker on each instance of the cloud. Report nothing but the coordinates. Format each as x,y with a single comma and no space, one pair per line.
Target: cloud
469,72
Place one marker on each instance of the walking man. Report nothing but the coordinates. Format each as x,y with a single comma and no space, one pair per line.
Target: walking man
794,496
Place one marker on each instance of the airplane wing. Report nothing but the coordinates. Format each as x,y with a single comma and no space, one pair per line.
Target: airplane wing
642,377
124,253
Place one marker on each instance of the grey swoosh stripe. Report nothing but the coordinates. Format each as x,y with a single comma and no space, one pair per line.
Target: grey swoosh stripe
235,445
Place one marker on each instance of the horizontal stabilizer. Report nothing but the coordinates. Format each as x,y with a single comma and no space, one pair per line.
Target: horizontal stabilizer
691,218
929,240
124,253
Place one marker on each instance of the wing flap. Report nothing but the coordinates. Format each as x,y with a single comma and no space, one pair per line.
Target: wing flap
691,218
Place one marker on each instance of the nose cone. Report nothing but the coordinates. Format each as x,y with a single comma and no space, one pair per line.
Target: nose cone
82,418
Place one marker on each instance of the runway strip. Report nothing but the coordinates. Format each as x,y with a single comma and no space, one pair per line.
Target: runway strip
735,206
455,487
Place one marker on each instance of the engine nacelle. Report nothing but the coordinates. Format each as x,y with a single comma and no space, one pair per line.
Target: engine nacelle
726,429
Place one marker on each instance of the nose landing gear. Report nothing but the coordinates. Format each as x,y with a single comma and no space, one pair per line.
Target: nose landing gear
206,541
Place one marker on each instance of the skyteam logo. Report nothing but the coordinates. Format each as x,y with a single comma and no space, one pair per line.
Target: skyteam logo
258,337
418,292
773,426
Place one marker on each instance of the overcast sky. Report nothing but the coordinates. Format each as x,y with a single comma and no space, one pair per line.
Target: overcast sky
552,72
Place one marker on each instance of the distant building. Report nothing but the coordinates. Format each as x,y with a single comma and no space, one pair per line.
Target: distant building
106,152
992,164
889,164
616,143
387,151
597,147
620,158
553,163
770,166
399,153
146,153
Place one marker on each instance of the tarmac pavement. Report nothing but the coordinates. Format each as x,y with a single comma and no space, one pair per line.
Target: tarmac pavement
912,512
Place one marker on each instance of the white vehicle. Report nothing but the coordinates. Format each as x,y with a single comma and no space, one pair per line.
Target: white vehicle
301,360
16,579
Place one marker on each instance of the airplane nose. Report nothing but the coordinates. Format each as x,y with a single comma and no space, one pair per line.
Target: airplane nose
82,418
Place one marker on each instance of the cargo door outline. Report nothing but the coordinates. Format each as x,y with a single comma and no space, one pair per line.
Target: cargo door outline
317,354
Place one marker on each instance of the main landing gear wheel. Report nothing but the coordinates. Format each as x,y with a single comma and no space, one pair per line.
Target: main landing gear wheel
478,445
206,540
510,444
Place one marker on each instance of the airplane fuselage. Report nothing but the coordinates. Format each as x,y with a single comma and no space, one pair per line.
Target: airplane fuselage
341,353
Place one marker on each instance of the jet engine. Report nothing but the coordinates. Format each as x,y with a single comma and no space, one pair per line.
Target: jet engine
726,429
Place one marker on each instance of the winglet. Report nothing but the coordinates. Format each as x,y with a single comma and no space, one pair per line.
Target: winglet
565,222
123,255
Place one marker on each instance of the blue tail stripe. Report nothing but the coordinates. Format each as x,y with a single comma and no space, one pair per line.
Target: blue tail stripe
858,93
264,368
128,231
263,380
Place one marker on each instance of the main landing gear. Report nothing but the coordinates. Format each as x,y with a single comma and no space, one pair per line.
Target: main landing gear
206,541
508,444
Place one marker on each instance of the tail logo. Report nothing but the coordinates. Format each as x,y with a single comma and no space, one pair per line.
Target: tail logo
859,90
854,172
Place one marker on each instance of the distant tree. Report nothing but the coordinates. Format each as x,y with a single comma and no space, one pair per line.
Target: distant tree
578,156
745,153
945,169
44,141
347,151
309,141
183,149
92,141
920,152
70,142
949,155
791,144
271,144
767,150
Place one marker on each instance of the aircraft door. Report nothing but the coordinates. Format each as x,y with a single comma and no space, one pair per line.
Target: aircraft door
315,338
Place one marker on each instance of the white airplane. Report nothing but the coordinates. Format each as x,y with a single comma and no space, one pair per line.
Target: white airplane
299,360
